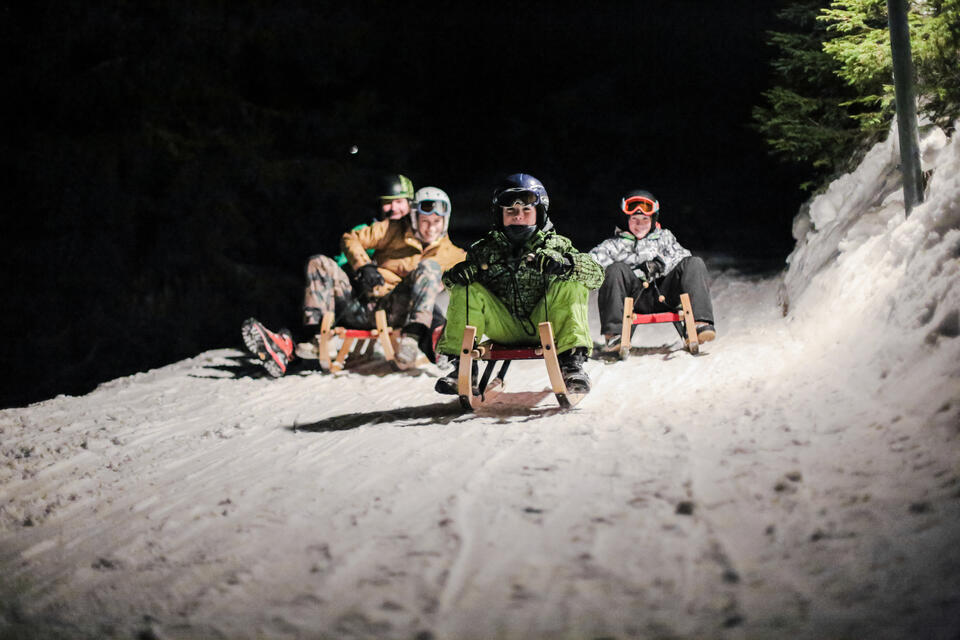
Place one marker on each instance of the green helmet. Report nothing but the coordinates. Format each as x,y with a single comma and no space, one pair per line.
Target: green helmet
395,186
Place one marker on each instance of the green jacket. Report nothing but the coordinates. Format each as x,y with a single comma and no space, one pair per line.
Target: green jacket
512,275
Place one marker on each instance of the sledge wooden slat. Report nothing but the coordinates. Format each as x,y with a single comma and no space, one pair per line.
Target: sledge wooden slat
550,358
654,318
323,341
464,382
625,332
493,353
364,334
565,399
357,338
383,334
693,344
341,359
630,318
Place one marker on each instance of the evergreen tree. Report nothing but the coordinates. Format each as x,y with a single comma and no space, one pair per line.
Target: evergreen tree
861,47
807,116
835,94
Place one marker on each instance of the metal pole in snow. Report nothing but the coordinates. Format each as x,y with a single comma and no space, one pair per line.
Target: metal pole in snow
906,103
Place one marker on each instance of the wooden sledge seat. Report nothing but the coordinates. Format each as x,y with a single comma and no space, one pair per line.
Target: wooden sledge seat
362,341
683,318
494,353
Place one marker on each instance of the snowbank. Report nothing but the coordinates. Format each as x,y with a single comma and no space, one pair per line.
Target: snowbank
877,289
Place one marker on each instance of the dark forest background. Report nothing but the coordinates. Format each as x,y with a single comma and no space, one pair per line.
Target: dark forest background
169,166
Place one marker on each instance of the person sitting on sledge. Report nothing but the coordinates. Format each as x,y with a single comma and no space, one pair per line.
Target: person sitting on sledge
394,197
402,277
648,253
517,275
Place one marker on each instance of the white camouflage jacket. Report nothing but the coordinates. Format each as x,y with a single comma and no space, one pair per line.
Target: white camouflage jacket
624,247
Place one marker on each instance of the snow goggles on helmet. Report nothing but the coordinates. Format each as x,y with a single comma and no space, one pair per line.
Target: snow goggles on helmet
433,208
639,204
510,197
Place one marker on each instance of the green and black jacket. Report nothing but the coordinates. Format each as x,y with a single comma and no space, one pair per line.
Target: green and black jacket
512,275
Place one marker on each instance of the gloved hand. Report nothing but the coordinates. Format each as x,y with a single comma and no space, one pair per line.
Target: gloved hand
368,279
461,273
653,268
552,263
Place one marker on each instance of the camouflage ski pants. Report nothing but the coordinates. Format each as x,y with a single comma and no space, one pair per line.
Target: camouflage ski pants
329,289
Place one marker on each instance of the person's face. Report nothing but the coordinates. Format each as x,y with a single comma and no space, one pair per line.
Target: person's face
430,227
396,209
525,215
640,225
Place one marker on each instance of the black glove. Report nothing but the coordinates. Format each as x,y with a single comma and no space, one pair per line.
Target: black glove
653,268
552,263
461,273
368,278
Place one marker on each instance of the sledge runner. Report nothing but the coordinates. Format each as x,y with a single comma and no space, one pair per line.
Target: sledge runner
647,254
402,277
519,274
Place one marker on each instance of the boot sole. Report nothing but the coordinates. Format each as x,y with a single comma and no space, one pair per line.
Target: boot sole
706,335
258,344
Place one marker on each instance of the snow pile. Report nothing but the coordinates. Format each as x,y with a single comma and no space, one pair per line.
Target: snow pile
878,289
797,480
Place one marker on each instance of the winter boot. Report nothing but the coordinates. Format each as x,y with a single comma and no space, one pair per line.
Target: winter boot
275,350
447,385
611,343
705,332
414,336
307,351
571,366
407,351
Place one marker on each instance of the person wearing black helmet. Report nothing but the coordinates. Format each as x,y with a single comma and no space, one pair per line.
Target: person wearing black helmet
517,275
648,253
394,200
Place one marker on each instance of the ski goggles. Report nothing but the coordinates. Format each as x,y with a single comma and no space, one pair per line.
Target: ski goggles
511,197
433,208
639,204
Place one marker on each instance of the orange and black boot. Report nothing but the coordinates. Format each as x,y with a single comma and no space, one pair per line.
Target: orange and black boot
275,350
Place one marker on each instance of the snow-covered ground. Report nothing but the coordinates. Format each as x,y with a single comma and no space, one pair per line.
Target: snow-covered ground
800,479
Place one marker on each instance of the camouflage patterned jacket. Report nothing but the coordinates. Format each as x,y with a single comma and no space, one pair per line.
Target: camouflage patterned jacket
511,276
624,247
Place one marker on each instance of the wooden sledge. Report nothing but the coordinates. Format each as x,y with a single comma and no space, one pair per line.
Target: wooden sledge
493,353
362,341
682,319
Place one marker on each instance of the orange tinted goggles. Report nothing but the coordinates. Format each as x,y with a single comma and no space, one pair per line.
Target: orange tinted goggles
639,204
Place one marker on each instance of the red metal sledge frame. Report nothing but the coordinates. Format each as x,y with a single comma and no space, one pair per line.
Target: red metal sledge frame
383,334
494,353
685,317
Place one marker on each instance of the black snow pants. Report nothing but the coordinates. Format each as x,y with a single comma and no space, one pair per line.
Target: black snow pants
690,276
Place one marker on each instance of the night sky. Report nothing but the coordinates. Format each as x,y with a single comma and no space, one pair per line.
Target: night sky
171,165
598,100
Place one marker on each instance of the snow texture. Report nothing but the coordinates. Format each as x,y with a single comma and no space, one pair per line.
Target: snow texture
799,479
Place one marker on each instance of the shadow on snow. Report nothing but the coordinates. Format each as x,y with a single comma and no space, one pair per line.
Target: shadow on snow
506,408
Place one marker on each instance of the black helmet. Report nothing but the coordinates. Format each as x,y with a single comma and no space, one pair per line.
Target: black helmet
641,201
395,186
527,189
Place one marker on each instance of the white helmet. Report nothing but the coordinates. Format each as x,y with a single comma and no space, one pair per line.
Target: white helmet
430,201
